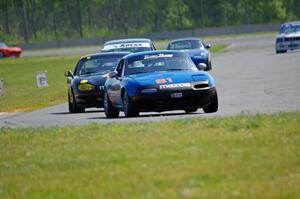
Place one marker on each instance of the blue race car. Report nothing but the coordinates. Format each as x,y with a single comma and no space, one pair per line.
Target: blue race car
128,45
159,81
195,48
86,84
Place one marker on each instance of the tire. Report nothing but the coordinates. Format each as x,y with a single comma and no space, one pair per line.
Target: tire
73,107
280,51
2,55
190,110
128,106
208,66
214,105
14,55
110,111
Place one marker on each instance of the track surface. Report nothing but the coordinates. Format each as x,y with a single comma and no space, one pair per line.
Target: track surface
250,77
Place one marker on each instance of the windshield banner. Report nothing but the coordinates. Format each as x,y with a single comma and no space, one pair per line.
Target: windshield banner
127,45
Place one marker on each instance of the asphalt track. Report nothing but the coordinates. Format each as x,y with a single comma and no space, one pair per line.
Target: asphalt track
250,78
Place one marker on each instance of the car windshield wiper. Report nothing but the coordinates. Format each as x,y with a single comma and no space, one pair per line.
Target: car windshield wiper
138,73
175,69
88,73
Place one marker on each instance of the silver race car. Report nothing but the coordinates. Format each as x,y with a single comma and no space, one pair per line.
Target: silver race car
289,37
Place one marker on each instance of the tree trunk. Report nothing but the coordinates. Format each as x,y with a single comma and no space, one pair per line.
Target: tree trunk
79,19
21,11
32,17
6,17
25,21
202,14
89,15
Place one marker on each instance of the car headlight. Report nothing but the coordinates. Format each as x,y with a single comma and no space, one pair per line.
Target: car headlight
149,90
86,87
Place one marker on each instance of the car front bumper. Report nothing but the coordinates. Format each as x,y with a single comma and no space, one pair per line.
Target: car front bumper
174,100
287,45
90,99
200,60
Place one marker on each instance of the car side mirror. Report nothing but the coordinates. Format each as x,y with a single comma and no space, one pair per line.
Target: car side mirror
207,46
201,66
69,74
113,74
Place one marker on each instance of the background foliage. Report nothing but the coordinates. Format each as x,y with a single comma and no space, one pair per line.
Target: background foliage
45,20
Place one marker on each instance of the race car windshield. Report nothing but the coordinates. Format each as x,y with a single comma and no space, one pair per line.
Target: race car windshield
159,62
97,65
132,50
291,29
186,44
2,45
132,47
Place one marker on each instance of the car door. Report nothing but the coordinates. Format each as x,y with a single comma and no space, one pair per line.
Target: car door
115,86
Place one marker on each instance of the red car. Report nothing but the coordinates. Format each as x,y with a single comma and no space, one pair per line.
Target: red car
6,51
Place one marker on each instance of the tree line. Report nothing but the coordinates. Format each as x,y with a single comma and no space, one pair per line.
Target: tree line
47,20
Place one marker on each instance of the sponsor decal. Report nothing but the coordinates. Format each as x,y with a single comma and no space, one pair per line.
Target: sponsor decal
163,81
171,86
176,95
127,45
157,56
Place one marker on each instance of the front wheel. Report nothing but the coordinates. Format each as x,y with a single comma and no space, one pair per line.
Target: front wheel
213,106
73,107
208,65
1,55
128,106
280,51
109,109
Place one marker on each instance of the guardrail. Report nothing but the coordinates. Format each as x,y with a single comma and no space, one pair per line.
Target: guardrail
212,31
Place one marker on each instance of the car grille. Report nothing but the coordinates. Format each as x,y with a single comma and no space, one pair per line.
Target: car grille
292,39
288,39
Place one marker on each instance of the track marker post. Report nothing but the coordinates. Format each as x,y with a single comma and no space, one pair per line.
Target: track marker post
42,79
1,87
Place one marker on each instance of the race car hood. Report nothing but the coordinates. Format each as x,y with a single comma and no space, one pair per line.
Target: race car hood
97,80
195,52
170,77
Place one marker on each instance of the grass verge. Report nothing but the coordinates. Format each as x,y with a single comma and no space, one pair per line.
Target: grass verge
21,92
234,157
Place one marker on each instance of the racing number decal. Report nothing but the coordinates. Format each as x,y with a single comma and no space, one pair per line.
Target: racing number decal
163,81
169,79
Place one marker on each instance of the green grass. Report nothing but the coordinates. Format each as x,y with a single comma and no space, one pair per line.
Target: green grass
21,92
255,34
218,48
232,157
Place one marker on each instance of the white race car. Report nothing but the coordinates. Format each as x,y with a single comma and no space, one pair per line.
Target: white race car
289,37
128,45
